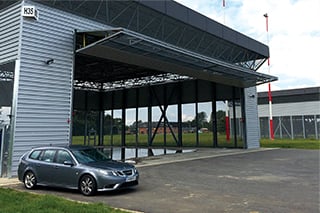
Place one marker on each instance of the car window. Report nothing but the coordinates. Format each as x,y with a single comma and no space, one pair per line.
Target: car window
35,154
48,155
63,156
89,155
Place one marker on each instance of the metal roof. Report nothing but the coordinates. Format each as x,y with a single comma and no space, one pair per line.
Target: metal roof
173,23
291,95
125,46
218,53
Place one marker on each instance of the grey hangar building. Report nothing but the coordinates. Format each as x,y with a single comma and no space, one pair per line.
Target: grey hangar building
62,57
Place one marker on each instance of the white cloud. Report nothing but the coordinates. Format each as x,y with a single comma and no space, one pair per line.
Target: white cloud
294,34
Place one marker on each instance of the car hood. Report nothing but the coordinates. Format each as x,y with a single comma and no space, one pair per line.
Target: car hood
110,165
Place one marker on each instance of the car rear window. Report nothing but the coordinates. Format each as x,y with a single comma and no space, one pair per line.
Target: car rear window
35,154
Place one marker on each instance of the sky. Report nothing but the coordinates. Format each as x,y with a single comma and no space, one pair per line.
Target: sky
293,31
293,38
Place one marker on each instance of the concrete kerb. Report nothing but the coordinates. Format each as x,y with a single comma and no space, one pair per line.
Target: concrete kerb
8,181
198,154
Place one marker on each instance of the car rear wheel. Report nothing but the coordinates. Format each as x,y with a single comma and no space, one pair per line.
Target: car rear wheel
87,185
30,180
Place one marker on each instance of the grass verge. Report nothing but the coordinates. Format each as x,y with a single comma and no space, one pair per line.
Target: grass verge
205,140
12,201
288,143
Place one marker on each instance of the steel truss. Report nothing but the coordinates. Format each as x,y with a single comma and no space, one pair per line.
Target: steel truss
6,75
130,83
137,17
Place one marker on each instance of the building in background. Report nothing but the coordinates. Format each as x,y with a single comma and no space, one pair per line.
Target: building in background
296,113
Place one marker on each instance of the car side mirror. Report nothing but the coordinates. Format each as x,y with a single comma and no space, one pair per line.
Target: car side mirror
68,163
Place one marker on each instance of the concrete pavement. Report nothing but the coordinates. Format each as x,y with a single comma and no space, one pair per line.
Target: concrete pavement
188,154
8,181
217,180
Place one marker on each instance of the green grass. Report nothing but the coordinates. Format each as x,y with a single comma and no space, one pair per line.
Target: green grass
189,140
288,143
12,201
205,140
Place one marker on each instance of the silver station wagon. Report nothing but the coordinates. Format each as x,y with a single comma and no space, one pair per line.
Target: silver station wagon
75,167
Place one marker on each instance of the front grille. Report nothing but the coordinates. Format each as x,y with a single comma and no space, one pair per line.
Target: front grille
127,172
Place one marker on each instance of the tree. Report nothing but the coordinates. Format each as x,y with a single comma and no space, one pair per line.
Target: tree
221,122
79,122
202,120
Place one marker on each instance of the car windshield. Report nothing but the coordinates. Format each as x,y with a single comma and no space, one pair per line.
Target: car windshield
89,155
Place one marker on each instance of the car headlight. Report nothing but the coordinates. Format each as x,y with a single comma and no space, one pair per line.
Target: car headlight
135,171
108,173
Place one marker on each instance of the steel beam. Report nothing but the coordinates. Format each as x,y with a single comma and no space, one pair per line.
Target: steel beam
123,124
214,115
180,116
234,117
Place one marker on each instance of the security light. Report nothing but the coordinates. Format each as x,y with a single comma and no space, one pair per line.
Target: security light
49,61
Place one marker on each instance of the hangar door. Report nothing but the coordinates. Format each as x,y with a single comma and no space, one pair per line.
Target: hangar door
136,56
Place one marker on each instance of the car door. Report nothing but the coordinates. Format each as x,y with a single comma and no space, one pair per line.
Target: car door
45,167
66,172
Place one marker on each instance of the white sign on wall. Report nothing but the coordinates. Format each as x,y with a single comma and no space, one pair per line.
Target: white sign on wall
30,12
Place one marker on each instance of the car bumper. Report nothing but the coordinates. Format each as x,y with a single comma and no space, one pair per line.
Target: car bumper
116,183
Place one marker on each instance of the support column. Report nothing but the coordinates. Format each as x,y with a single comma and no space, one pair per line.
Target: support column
303,127
85,118
111,121
164,117
214,116
137,121
234,117
180,116
150,118
291,126
123,127
280,127
101,119
197,109
243,115
316,127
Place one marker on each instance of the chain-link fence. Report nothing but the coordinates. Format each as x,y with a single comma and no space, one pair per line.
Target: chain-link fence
304,126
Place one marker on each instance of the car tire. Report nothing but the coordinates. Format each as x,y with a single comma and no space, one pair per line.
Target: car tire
87,185
30,180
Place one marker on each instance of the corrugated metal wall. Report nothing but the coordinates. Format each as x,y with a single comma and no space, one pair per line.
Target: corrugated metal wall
43,108
9,33
291,109
252,120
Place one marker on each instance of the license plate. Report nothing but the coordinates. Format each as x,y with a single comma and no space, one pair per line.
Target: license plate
129,179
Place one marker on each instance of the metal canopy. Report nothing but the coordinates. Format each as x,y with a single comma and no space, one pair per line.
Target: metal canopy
122,45
173,23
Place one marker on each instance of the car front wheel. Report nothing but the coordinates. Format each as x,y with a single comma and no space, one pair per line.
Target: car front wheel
30,180
87,185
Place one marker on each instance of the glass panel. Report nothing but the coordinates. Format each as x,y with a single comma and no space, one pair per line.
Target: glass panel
6,96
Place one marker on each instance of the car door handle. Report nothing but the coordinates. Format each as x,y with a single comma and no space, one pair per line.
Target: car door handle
56,167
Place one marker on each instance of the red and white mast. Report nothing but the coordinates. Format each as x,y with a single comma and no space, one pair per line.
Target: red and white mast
269,84
227,119
227,122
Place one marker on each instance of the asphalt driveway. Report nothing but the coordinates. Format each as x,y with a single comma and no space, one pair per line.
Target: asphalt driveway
279,180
